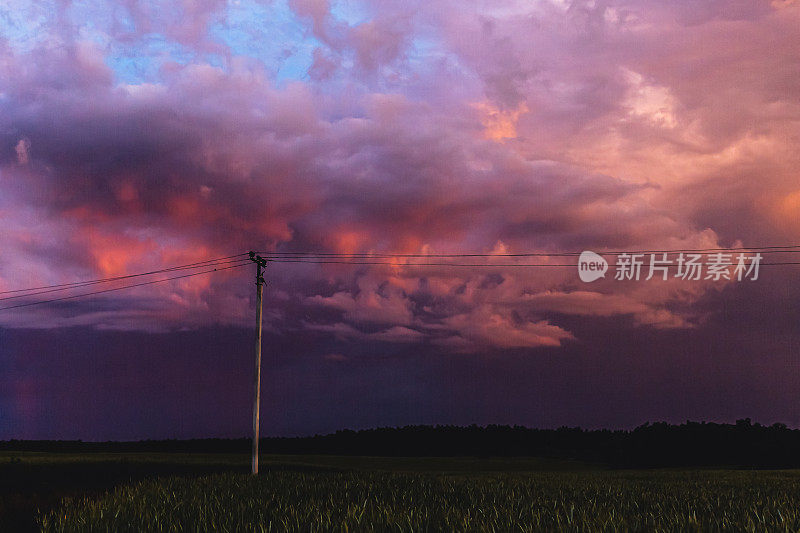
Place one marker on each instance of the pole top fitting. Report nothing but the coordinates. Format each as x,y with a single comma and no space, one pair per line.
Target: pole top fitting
257,259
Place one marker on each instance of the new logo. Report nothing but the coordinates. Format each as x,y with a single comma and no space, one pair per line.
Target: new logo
591,266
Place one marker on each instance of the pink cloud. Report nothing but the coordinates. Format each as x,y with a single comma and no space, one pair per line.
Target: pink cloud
485,328
531,127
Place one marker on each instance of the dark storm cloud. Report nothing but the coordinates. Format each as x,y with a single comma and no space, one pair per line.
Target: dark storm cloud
511,127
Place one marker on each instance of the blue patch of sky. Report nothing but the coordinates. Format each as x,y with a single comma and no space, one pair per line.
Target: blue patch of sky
270,33
423,49
429,53
141,61
92,14
352,13
26,25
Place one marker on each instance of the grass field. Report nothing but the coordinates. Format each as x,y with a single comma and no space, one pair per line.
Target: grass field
184,492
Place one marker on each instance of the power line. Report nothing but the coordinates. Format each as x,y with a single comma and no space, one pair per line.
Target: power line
76,285
387,263
763,249
237,260
198,264
120,288
333,261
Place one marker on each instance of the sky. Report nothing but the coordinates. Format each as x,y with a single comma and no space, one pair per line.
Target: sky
142,134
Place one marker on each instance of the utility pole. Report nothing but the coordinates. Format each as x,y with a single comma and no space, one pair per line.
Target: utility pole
261,264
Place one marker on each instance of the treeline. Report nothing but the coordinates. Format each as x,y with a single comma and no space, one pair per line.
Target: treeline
660,444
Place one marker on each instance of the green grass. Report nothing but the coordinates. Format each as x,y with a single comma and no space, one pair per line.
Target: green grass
49,458
32,482
380,500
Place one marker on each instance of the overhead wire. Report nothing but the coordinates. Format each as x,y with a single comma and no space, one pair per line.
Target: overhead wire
388,263
764,249
19,293
197,264
364,258
71,297
372,258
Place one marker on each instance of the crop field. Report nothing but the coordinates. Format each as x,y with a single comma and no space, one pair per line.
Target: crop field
370,494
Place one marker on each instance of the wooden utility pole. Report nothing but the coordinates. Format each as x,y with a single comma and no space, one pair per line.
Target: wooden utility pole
261,263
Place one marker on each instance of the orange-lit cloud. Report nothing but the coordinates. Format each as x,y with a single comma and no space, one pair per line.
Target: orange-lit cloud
634,125
500,124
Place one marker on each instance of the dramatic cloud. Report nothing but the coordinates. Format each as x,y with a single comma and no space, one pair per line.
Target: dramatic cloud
141,134
543,127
